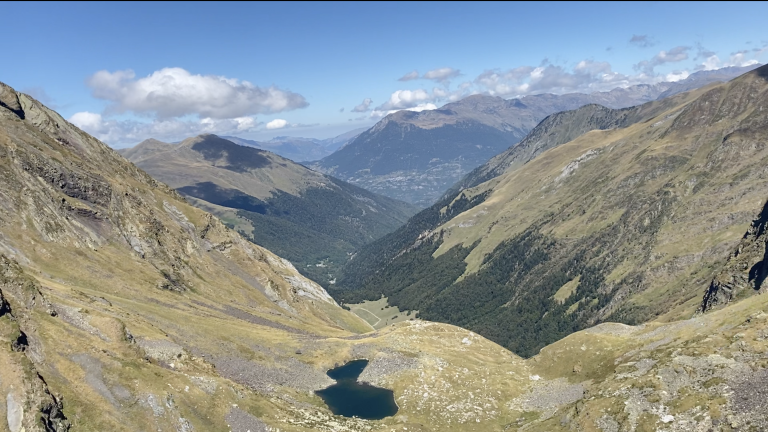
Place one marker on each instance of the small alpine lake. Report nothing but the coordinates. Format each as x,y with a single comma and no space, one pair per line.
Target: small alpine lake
350,398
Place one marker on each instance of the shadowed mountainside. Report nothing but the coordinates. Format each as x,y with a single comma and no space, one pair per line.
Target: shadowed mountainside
313,220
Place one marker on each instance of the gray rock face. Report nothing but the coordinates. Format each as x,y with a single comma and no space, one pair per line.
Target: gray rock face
19,294
240,421
15,413
10,100
386,364
745,271
265,379
94,376
162,350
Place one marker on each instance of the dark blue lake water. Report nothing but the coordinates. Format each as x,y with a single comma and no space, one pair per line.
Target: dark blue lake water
350,398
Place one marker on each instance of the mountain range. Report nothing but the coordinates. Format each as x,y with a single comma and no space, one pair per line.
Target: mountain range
417,156
300,149
597,215
125,308
311,219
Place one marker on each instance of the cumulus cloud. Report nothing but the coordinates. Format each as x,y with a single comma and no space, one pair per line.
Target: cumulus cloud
122,132
592,67
642,41
410,76
402,99
592,76
441,74
586,76
503,83
418,108
174,103
87,121
711,63
174,92
423,107
277,124
674,55
676,76
738,59
364,106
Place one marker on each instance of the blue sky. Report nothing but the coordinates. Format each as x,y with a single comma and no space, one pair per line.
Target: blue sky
130,71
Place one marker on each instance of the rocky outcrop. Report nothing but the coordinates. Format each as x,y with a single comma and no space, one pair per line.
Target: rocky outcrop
30,405
746,269
10,101
90,246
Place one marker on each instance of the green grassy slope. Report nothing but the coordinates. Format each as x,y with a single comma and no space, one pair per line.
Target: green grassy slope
642,214
124,308
313,220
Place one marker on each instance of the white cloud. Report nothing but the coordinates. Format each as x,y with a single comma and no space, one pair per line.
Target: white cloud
593,67
277,124
442,74
171,98
589,76
674,55
502,83
423,107
586,76
174,92
418,108
412,75
87,121
676,76
739,59
122,132
364,106
402,99
712,62
440,93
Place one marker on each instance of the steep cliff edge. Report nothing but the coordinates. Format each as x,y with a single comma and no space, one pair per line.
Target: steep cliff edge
746,269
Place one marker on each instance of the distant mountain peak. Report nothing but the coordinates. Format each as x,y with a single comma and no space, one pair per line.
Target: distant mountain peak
417,156
299,149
